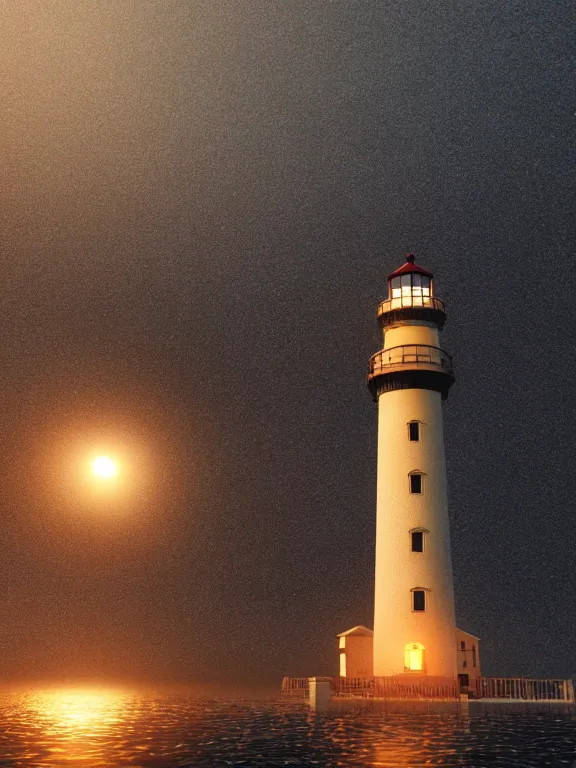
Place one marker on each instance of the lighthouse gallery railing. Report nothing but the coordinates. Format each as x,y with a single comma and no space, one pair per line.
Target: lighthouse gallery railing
408,300
412,355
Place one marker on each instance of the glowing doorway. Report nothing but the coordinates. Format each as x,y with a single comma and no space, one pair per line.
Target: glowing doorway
414,657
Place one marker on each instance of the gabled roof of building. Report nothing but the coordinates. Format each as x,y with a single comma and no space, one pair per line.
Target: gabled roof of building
409,267
359,631
464,632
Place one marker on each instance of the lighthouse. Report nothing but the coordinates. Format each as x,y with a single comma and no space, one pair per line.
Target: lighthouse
414,621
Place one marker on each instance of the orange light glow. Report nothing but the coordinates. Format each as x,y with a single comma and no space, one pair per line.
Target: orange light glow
414,657
77,709
105,468
77,726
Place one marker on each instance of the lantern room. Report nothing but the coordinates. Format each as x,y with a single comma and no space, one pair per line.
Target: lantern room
410,286
411,297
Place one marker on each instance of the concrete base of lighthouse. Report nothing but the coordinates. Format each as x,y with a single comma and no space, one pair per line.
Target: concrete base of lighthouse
320,693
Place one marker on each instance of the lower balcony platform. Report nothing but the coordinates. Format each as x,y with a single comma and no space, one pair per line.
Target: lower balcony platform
410,366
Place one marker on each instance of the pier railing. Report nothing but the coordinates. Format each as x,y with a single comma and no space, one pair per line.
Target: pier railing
522,689
439,689
295,687
377,687
396,688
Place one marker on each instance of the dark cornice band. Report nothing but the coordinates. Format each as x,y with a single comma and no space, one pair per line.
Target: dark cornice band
390,381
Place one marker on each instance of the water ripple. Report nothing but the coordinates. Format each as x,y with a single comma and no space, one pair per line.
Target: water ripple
107,729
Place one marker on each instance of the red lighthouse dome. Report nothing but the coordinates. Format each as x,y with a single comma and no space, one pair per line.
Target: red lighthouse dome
410,268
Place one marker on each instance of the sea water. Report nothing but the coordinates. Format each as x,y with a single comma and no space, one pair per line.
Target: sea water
116,729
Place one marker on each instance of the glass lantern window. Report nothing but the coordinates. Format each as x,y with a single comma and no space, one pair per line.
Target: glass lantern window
411,290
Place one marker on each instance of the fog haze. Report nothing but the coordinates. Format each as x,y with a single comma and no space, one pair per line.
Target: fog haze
200,204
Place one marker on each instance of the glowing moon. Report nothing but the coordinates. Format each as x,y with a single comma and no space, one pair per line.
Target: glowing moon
104,468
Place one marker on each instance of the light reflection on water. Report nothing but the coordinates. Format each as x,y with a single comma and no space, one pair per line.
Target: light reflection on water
43,729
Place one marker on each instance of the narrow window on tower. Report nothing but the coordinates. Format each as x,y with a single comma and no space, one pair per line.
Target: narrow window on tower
414,431
418,600
415,482
417,541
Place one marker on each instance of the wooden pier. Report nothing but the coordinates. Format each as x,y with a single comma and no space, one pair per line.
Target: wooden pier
400,688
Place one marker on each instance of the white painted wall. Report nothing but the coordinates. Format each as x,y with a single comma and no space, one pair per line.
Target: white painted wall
398,570
319,691
466,657
358,652
411,334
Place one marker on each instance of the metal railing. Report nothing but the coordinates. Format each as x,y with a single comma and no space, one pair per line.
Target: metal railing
402,302
502,688
412,356
376,687
296,687
522,689
395,688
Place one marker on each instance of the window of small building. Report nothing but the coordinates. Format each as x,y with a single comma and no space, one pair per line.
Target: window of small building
462,645
418,600
416,482
342,642
414,431
464,664
342,665
417,541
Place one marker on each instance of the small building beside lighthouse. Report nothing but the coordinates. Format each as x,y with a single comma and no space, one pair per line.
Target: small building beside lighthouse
356,651
415,630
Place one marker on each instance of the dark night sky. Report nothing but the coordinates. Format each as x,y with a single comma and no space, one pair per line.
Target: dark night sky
200,203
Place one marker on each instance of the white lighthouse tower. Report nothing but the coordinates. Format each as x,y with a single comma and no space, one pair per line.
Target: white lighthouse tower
414,621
